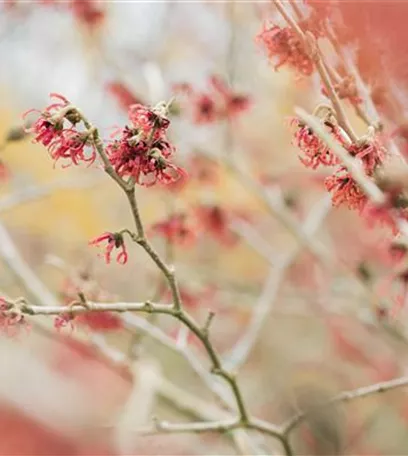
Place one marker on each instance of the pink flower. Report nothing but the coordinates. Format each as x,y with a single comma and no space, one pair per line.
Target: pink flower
71,146
214,220
114,241
142,151
63,320
285,47
204,109
177,229
345,190
61,140
218,103
315,151
152,123
394,206
101,321
88,12
370,152
233,103
123,95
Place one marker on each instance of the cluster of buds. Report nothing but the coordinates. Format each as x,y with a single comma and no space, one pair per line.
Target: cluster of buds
142,151
218,103
56,128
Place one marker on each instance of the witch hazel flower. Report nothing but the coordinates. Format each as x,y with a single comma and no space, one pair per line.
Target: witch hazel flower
64,320
142,151
370,151
315,151
113,241
215,221
345,190
394,207
218,103
56,129
285,48
177,229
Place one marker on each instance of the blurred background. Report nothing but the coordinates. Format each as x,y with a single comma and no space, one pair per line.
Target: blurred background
297,330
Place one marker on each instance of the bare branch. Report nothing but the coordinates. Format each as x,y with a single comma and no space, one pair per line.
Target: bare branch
347,396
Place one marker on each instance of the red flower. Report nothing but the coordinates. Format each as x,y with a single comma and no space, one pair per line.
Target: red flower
88,12
63,320
285,47
204,109
123,95
315,151
152,123
71,145
345,190
115,241
215,221
394,206
97,321
370,152
142,151
218,103
177,229
233,103
101,321
50,130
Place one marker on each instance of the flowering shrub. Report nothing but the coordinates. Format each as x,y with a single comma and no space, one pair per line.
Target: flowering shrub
196,224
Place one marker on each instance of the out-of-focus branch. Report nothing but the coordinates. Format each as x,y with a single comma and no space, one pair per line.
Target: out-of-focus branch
11,257
311,46
242,348
174,428
347,396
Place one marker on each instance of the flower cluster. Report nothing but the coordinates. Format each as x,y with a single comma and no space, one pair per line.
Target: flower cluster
56,129
345,191
114,241
284,47
220,102
142,151
177,229
315,151
123,95
215,221
208,220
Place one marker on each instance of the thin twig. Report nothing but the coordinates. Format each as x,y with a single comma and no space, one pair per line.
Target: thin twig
347,396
